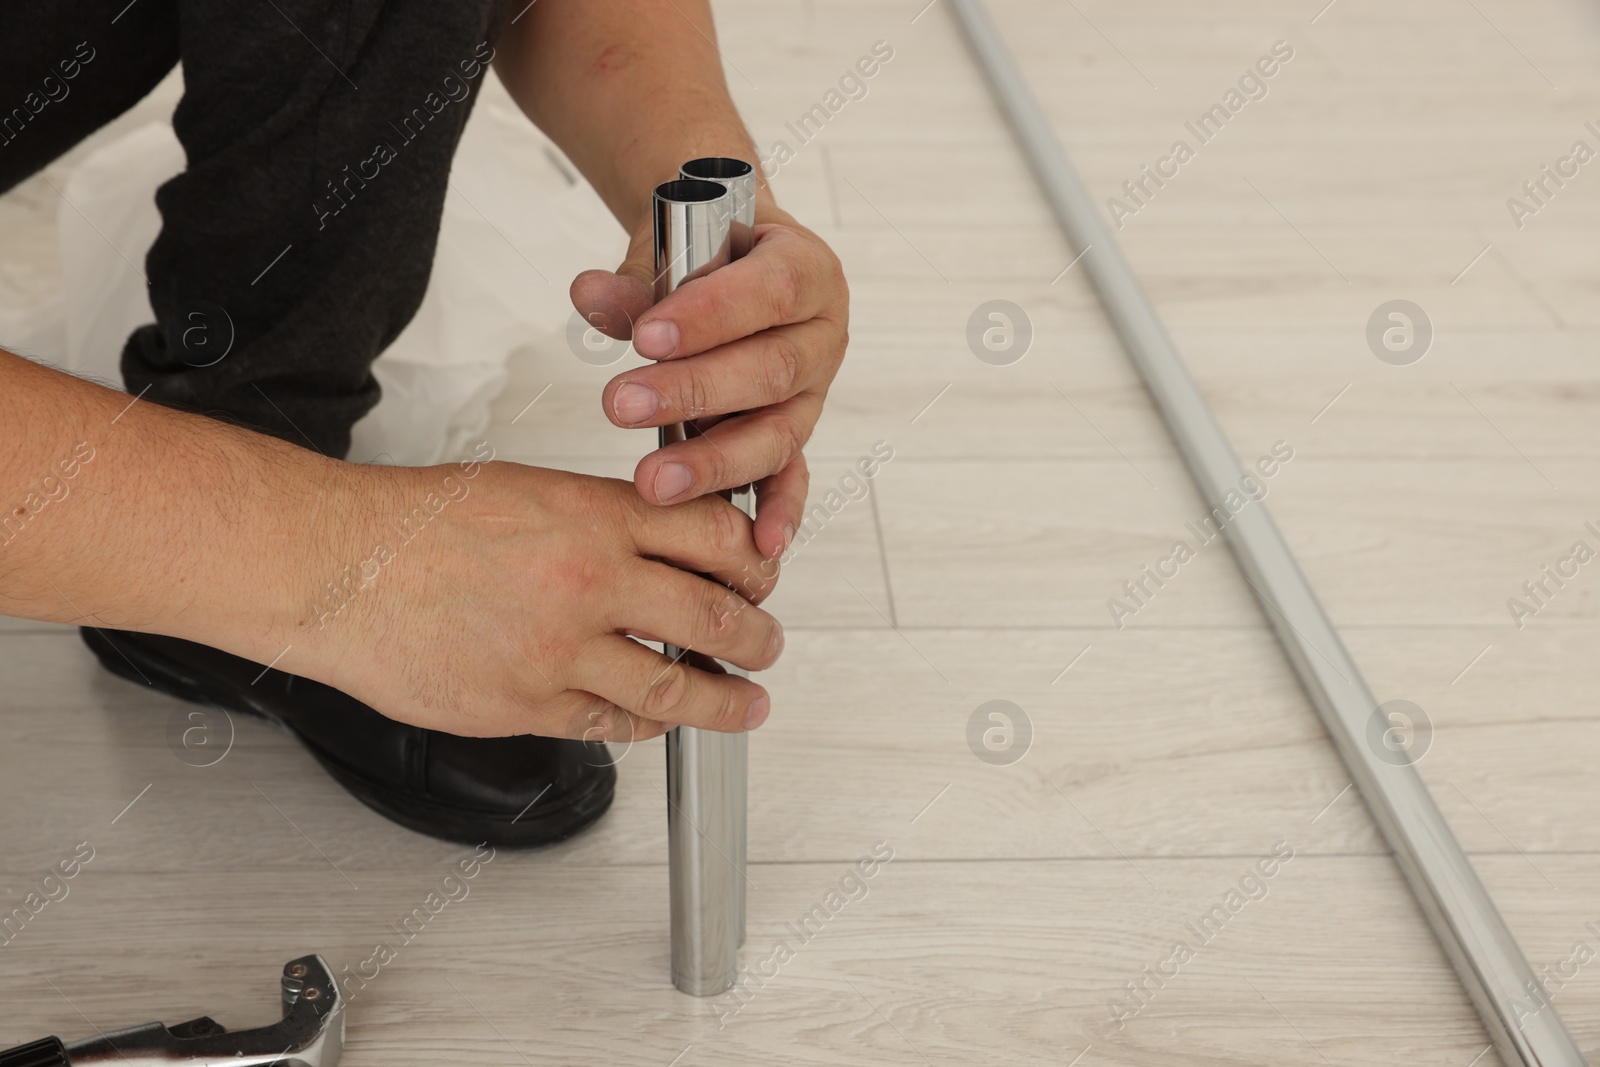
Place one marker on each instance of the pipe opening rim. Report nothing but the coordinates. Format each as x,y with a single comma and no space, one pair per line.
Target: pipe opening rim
714,168
690,191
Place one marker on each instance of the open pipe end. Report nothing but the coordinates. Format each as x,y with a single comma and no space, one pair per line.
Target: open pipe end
717,168
690,191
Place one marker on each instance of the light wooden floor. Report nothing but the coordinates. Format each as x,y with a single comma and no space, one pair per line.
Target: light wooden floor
1171,755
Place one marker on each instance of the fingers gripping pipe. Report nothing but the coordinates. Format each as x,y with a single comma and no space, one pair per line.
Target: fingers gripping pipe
703,221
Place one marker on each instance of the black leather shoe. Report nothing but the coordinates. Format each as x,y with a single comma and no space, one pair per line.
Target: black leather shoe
508,791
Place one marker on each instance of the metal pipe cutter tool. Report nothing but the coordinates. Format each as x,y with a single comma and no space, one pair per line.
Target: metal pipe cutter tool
310,1034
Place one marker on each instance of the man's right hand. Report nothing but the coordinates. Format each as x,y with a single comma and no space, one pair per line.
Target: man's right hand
509,608
481,598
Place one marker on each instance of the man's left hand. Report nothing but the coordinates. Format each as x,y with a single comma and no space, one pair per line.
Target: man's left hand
748,352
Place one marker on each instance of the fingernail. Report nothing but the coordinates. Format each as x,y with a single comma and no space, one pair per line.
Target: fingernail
672,481
656,339
760,708
635,402
788,537
775,643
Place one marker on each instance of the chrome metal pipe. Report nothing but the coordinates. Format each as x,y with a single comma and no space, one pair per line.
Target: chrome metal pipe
1476,939
739,178
693,236
693,231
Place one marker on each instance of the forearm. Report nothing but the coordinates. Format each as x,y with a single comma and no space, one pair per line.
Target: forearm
629,89
124,514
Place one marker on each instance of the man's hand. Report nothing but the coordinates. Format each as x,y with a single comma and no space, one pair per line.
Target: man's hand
747,351
510,613
475,598
630,90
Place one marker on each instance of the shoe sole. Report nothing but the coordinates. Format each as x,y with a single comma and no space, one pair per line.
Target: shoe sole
575,813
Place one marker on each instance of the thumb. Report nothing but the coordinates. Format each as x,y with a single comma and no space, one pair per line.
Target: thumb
612,302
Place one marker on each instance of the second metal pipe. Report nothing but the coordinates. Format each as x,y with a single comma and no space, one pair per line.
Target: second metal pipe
694,235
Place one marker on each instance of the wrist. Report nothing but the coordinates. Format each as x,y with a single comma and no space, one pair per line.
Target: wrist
299,521
328,562
384,529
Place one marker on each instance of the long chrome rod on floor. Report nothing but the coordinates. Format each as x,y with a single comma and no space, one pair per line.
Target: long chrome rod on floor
694,236
739,178
1474,936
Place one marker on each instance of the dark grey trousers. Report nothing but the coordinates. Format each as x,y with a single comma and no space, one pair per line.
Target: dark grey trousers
318,135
